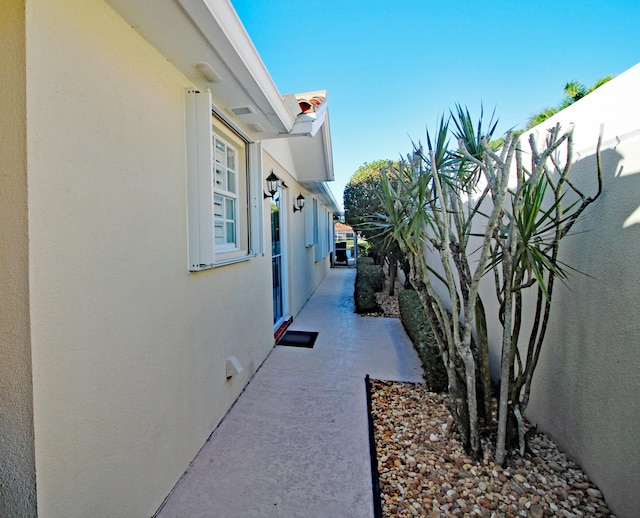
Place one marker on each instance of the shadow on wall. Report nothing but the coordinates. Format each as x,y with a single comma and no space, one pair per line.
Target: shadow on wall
585,394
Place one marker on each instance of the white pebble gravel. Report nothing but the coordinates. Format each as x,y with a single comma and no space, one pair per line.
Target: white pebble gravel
421,476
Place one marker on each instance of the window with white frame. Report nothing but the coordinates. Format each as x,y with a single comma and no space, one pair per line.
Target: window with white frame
223,177
225,194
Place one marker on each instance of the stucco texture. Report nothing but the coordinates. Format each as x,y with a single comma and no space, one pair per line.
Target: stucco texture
17,476
128,348
586,386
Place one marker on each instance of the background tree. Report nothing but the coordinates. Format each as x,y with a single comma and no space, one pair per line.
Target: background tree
573,91
361,205
360,198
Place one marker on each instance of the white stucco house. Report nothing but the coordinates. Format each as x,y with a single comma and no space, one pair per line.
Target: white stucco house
143,270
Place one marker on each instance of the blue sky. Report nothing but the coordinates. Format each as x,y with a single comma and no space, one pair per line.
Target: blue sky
391,68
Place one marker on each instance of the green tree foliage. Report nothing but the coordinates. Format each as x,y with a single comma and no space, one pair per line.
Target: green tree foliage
360,198
362,202
362,205
573,91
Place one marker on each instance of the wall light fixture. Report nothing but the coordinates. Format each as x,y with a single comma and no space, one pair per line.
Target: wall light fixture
272,185
299,204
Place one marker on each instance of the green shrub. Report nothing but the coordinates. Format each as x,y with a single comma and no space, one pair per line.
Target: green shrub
372,274
365,260
365,298
363,248
369,279
414,319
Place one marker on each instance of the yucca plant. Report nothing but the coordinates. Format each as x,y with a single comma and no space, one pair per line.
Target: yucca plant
525,256
461,213
431,202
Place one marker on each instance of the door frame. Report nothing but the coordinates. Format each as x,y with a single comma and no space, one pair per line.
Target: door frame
284,262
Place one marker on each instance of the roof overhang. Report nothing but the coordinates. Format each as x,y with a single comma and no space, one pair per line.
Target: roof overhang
208,33
310,144
322,190
187,32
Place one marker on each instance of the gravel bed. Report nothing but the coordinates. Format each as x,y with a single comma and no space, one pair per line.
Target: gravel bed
425,472
388,304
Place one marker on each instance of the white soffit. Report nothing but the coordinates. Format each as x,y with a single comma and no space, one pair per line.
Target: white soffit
310,139
190,32
187,32
312,153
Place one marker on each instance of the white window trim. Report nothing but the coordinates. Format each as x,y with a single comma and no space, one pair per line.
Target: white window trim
203,253
226,194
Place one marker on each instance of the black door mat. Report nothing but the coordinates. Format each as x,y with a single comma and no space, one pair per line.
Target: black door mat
298,339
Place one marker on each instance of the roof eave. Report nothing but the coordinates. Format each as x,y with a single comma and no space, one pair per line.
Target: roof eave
312,150
186,32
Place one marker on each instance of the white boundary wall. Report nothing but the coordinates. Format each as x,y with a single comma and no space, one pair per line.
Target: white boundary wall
586,390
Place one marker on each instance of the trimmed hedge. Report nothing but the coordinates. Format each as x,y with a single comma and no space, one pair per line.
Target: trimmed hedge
369,279
414,319
365,260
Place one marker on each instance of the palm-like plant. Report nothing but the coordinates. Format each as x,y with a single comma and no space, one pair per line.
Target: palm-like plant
360,202
536,223
573,91
460,213
424,202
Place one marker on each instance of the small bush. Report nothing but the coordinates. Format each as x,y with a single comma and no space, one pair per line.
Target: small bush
369,279
372,274
363,248
365,298
414,319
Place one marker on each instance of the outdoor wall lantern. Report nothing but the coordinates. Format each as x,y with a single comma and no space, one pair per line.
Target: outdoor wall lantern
299,204
272,185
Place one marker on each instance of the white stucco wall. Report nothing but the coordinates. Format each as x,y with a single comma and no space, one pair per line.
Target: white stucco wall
17,476
586,389
586,386
128,348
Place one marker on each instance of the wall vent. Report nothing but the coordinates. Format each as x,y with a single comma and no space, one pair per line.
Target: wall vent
242,110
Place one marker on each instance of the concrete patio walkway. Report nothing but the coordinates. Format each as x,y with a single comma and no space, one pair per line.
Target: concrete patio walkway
296,443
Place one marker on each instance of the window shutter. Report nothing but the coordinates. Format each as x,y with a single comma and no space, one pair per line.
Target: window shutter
317,229
256,240
199,159
308,223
